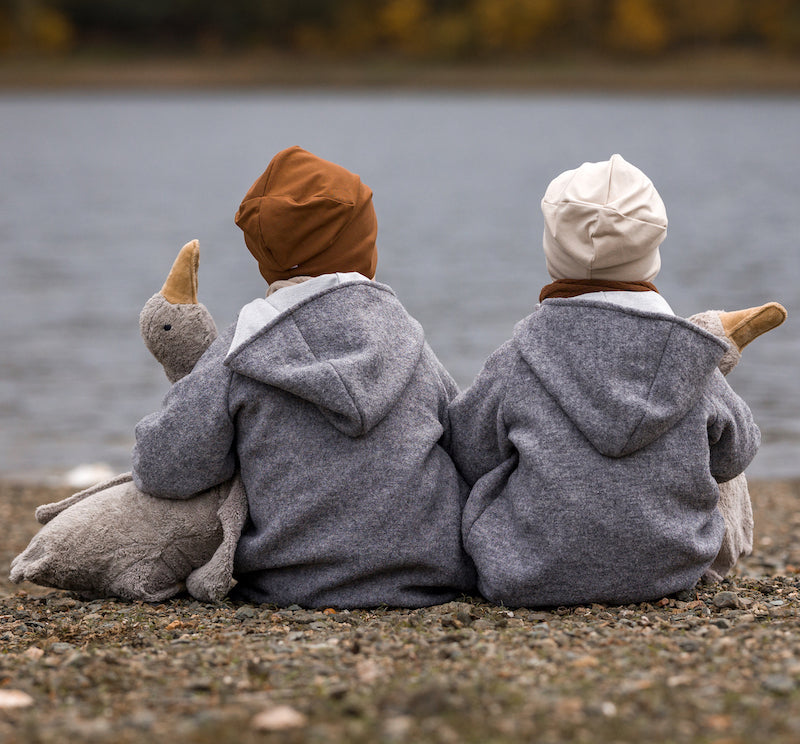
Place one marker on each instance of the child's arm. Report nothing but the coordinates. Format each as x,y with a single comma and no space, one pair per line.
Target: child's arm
478,436
188,446
733,435
448,390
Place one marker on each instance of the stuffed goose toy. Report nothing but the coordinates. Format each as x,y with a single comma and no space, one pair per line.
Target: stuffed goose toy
114,540
738,329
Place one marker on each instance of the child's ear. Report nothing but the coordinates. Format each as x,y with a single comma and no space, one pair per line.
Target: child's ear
181,285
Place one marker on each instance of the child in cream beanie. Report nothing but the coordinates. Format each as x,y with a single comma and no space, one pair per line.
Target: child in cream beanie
596,439
603,221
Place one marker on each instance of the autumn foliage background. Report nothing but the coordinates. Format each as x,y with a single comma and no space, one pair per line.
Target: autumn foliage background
447,30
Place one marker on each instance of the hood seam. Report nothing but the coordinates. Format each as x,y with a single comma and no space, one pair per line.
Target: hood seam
676,327
611,165
361,418
649,390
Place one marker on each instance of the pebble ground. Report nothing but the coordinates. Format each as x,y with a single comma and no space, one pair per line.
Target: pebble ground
717,665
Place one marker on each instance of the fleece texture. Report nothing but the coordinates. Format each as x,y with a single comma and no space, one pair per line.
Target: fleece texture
336,413
734,495
594,441
112,540
178,334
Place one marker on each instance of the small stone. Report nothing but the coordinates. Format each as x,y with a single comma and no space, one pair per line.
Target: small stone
338,692
397,728
76,659
450,621
368,671
244,613
61,647
465,618
586,662
15,699
62,603
726,599
96,729
199,684
143,720
779,683
608,709
279,718
34,653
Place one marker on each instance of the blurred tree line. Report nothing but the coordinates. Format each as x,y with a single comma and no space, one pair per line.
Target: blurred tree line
420,29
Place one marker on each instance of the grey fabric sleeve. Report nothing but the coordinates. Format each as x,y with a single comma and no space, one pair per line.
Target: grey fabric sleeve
478,437
450,391
188,446
733,435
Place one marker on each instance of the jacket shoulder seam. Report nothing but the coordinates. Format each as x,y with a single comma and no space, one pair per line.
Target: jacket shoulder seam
650,388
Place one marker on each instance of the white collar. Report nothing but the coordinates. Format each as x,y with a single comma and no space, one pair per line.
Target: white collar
256,314
650,301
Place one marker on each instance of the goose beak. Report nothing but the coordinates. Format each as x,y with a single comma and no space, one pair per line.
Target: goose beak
181,285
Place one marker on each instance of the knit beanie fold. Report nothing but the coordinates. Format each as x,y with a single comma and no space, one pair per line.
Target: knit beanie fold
603,221
306,216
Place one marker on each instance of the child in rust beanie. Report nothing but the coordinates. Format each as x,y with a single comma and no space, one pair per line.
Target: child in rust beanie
305,216
327,398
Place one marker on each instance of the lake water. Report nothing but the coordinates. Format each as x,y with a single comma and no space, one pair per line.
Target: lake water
98,193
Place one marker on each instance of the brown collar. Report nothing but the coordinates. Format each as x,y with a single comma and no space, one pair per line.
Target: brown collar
576,287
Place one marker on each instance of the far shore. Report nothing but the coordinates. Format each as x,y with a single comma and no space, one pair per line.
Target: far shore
724,73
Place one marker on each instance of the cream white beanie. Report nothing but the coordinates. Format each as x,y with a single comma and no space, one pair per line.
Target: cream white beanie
603,221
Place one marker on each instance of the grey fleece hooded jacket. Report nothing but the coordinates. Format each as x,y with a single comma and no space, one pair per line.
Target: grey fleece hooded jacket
593,441
334,408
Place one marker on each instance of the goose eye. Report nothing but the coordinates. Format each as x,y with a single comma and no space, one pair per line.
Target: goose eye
167,327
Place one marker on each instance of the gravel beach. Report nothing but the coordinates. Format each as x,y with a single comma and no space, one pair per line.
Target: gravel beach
720,664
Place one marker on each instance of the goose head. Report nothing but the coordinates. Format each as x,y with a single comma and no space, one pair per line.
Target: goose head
176,328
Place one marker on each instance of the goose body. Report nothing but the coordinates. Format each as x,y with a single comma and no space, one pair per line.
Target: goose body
113,539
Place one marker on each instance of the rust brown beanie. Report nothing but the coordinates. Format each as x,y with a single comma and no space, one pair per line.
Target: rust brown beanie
305,216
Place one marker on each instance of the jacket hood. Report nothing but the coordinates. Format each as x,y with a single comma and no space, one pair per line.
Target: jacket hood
622,376
350,350
305,216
